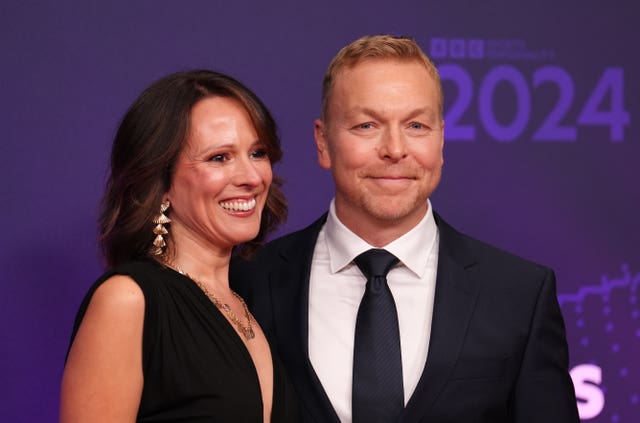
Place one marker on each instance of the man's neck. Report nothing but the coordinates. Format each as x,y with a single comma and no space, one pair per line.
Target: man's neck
379,232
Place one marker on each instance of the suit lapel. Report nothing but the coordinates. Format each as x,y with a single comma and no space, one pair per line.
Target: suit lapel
289,286
454,302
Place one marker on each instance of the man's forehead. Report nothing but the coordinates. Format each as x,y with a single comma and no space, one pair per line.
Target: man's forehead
347,97
383,73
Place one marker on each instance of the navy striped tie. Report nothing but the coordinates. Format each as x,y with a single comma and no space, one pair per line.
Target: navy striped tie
378,394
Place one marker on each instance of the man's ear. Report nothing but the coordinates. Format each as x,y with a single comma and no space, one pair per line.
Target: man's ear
320,134
442,144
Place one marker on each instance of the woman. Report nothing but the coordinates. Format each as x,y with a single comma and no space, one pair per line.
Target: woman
161,336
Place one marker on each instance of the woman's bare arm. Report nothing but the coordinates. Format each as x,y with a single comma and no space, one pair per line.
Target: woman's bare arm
102,380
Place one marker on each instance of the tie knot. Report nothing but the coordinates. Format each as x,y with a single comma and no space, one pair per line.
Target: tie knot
375,262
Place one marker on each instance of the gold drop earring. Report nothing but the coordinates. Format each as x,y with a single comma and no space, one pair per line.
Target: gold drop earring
159,230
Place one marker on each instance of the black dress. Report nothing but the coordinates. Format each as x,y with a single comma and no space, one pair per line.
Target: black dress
196,368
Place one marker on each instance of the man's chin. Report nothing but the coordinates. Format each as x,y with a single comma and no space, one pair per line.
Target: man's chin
391,210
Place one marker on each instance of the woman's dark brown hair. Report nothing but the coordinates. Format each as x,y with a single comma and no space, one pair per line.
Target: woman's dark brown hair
146,147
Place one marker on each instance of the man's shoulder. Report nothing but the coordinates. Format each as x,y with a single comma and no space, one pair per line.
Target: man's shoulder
301,241
473,251
295,247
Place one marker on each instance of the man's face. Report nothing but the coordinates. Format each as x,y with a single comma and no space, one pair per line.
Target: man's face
382,138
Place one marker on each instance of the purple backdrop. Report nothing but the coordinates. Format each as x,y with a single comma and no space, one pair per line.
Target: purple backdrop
541,155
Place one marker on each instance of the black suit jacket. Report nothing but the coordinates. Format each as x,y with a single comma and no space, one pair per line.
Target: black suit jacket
497,352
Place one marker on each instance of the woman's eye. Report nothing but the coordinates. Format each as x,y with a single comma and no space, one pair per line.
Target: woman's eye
259,153
219,158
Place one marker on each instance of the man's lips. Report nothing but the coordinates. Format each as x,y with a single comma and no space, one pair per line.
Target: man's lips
391,177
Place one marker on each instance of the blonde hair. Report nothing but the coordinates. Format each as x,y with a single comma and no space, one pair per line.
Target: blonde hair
375,47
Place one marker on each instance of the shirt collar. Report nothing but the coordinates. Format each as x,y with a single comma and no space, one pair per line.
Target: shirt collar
412,249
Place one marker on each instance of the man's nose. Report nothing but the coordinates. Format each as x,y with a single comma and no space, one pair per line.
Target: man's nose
393,144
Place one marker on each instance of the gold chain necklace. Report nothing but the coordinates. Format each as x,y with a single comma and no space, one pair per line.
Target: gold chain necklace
247,331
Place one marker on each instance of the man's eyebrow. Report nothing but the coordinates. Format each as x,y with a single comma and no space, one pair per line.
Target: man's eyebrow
429,111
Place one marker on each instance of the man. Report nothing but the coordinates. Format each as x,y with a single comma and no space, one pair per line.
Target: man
481,337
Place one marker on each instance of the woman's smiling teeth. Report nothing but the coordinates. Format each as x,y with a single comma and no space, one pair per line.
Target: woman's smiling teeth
238,205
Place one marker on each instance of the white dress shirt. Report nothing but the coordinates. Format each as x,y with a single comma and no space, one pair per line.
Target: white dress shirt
336,287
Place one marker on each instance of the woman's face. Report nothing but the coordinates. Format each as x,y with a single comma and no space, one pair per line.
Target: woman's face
221,178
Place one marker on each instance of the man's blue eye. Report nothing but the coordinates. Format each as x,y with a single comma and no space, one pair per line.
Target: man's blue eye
365,126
